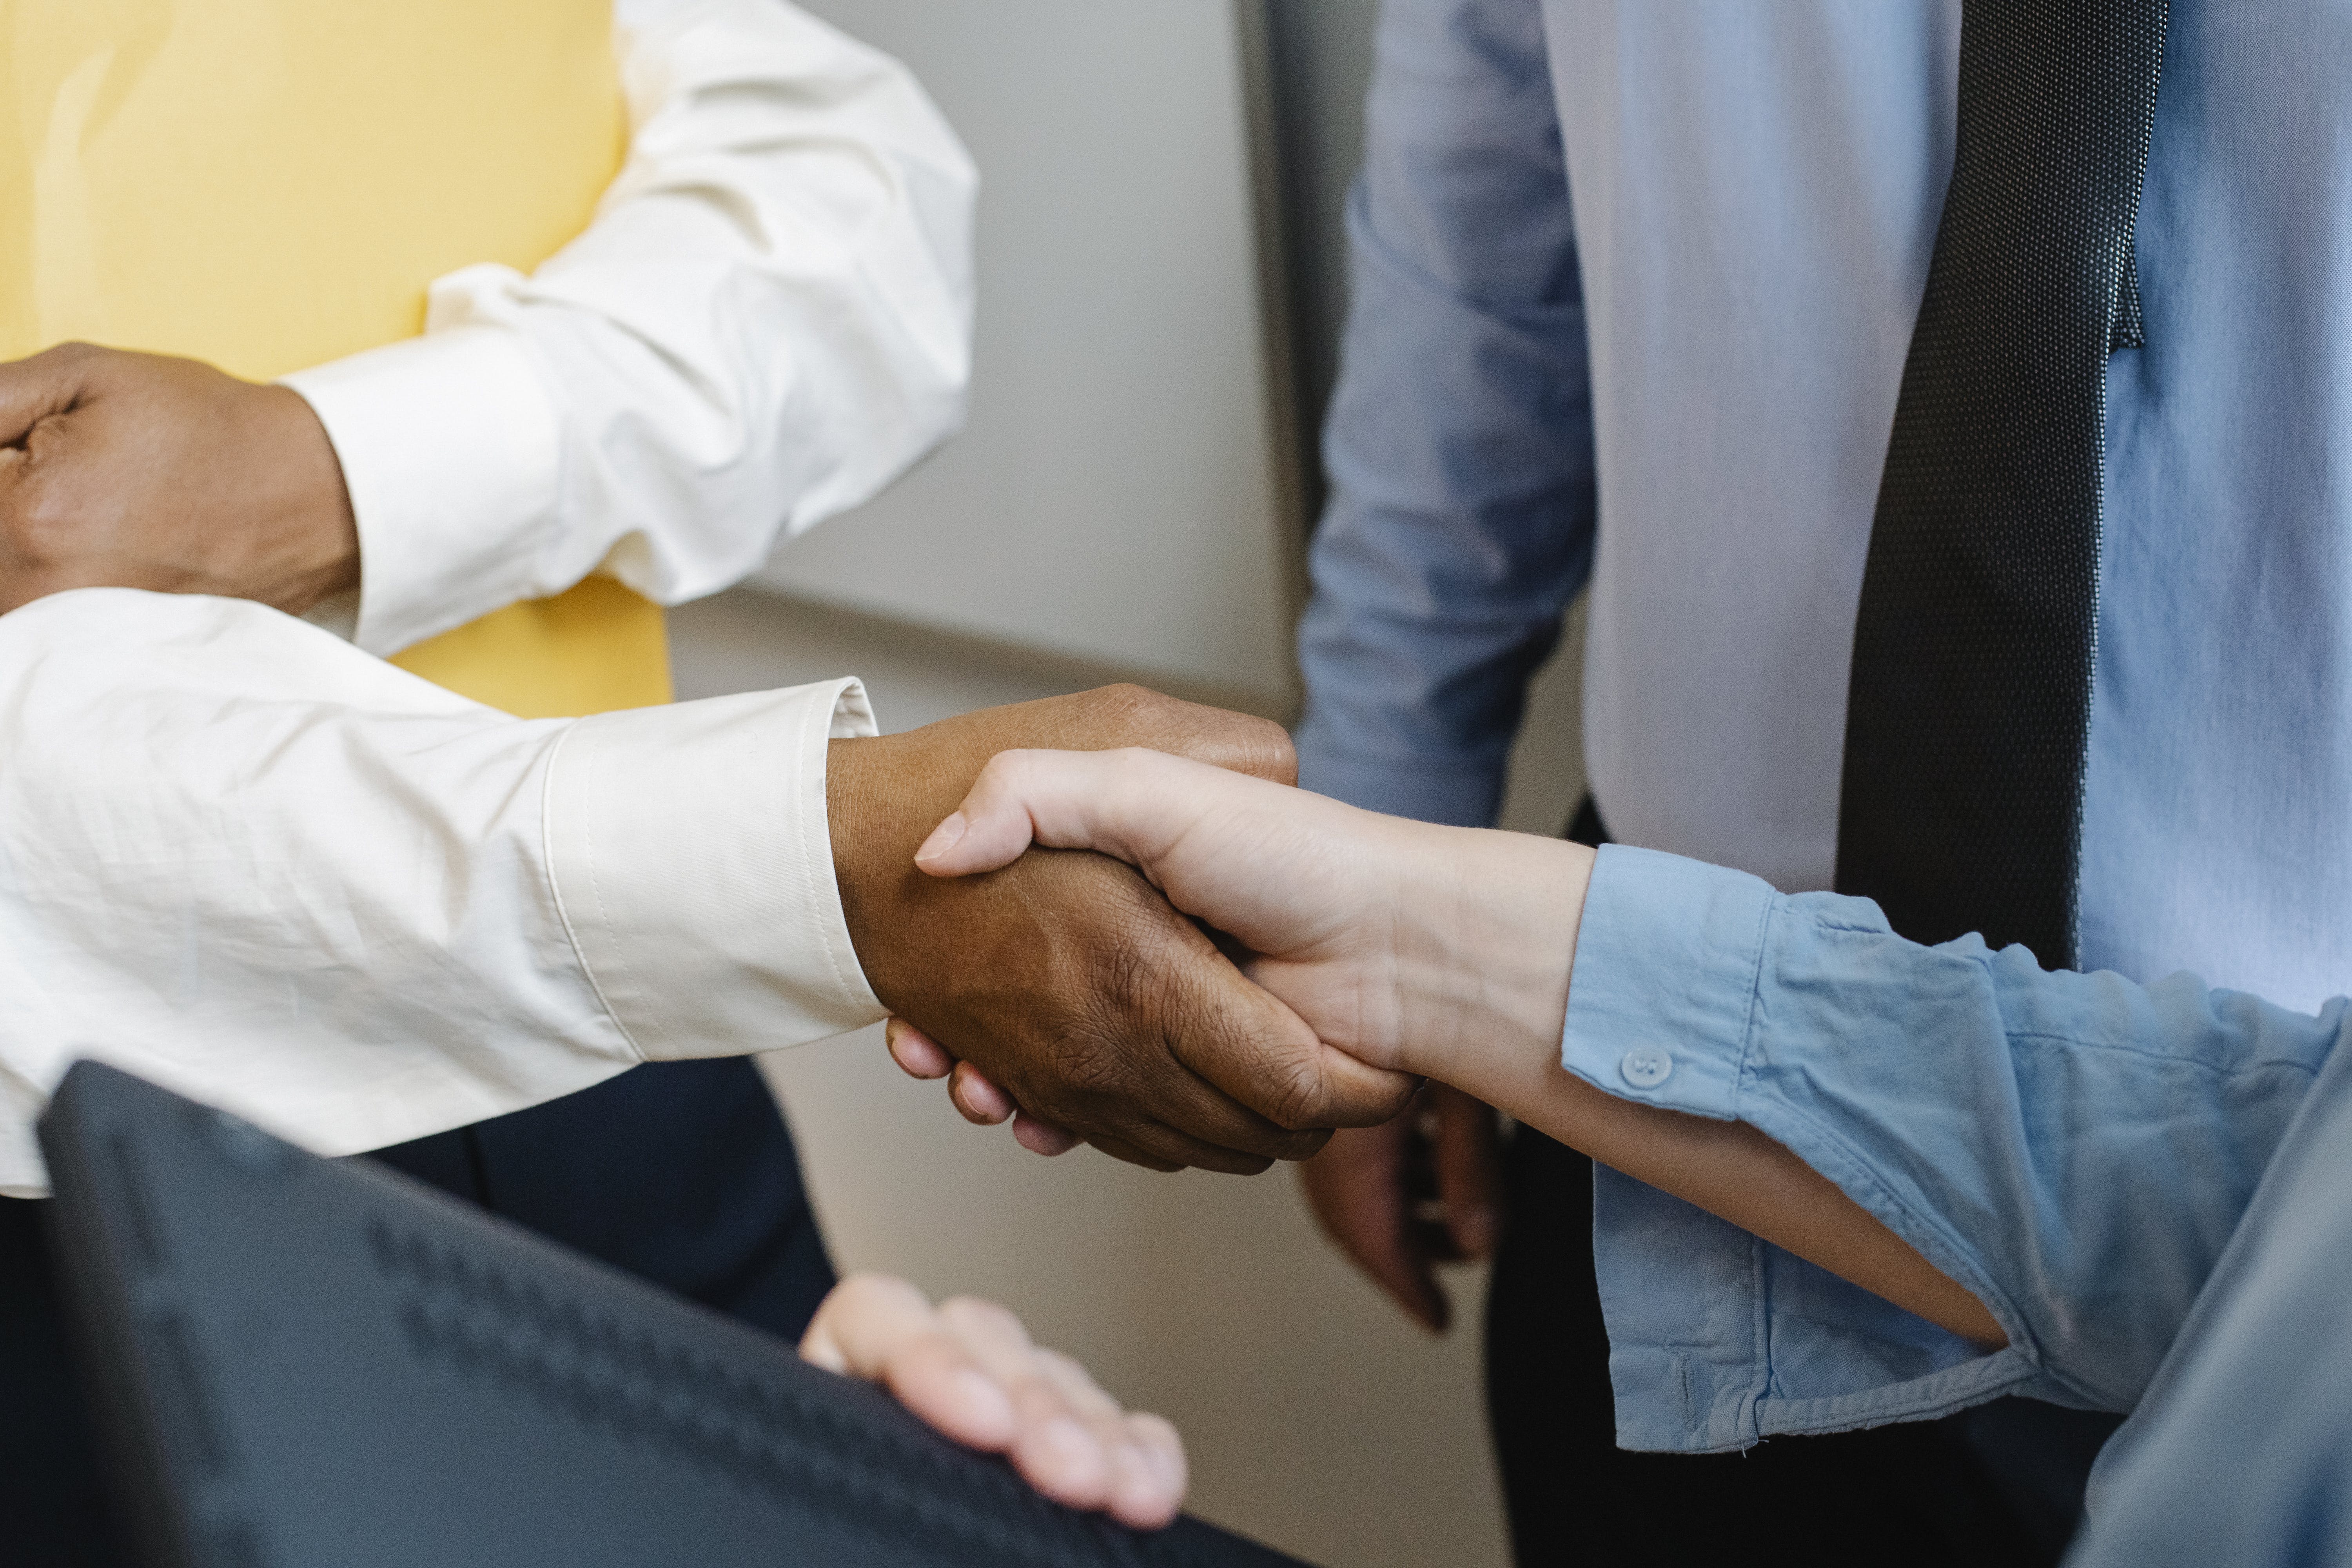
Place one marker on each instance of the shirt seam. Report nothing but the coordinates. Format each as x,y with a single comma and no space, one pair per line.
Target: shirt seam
2054,1037
562,909
831,706
1980,1379
1760,1325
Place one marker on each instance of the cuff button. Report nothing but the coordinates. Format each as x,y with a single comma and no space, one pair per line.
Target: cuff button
1646,1066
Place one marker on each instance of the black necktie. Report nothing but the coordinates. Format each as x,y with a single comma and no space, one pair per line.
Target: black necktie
1968,718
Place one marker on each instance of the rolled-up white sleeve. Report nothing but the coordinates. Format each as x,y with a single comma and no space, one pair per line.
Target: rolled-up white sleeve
769,318
242,859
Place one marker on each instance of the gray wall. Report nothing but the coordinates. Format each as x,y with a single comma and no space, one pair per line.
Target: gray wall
1319,1419
1127,490
1321,53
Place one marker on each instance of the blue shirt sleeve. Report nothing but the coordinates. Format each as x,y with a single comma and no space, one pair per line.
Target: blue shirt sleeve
1459,442
2241,1454
2075,1149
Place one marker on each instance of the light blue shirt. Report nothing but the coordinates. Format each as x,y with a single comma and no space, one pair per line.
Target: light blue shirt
1678,388
2150,1187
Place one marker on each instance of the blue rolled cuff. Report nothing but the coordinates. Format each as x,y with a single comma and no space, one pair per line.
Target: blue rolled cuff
1717,1339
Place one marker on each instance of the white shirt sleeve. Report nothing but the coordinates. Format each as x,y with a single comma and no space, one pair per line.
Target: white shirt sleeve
242,859
769,320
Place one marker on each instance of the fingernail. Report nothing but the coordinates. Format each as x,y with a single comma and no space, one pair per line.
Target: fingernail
944,837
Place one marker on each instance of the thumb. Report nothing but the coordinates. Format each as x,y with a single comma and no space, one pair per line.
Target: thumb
1126,804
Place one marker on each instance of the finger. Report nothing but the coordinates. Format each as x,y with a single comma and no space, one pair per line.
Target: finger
31,390
1137,1490
1077,1386
1358,1189
1245,1041
1467,1158
1127,804
1166,1147
1185,1002
1053,1446
916,1054
859,1321
882,1330
1163,1449
1228,740
1194,1123
1040,1136
978,1099
1130,715
1119,1149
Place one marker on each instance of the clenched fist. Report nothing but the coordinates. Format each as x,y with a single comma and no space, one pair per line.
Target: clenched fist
132,470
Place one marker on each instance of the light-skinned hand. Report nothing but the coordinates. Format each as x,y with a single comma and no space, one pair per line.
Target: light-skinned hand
1401,1198
970,1369
1446,952
1317,892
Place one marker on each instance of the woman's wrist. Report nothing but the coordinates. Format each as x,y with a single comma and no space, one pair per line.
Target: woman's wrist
1485,939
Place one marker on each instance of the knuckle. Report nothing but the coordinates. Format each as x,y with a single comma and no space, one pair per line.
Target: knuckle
868,1291
73,350
1064,1367
1272,754
978,1314
872,1284
1125,707
1086,1070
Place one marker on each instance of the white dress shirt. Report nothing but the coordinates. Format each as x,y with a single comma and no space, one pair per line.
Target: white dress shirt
246,859
768,320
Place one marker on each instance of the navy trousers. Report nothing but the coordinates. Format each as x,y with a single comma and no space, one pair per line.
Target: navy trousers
682,1173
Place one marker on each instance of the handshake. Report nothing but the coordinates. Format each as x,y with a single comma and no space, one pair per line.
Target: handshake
1108,919
1083,993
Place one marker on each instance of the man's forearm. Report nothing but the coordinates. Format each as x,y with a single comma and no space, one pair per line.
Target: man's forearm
244,859
1489,951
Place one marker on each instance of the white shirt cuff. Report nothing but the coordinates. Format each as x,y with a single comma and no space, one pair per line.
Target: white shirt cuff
450,450
691,860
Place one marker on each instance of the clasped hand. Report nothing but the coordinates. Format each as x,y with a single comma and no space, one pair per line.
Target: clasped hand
1360,924
1066,979
132,470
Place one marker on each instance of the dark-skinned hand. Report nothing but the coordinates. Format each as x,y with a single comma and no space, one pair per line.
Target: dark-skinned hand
133,470
1420,1191
1065,977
